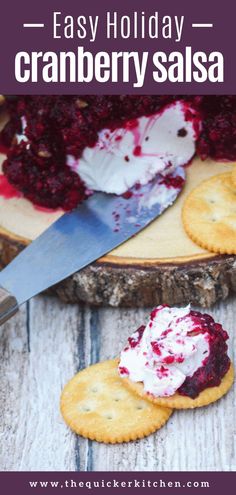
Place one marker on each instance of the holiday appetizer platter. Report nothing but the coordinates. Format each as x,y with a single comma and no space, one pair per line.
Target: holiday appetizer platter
61,149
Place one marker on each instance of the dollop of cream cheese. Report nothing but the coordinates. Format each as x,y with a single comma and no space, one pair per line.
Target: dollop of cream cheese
166,353
137,152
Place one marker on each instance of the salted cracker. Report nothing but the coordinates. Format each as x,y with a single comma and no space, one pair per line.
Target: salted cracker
209,214
97,405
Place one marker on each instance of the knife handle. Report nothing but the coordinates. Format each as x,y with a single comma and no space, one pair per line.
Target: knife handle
8,305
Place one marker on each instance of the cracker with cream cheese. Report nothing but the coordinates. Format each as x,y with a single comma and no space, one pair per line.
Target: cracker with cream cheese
178,401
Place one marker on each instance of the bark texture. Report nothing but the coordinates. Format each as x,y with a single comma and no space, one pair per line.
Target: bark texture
199,282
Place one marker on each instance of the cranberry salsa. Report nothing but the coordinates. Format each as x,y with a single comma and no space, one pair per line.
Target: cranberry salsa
44,130
179,350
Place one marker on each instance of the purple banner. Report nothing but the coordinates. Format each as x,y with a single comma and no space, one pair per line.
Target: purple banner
149,47
212,483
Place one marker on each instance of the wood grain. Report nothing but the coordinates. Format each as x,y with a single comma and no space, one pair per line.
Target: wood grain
44,345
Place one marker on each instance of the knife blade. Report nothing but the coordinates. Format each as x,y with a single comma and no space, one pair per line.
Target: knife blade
78,238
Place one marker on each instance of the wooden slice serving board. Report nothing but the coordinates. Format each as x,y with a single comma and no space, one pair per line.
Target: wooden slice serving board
160,265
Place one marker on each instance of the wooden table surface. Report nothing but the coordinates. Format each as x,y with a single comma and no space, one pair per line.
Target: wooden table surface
44,346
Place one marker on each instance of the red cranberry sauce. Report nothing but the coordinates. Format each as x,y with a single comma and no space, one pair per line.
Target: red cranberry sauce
136,337
175,182
218,136
58,126
44,179
123,371
217,363
7,191
155,311
3,149
214,366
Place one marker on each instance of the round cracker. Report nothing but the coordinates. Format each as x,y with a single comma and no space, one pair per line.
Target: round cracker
97,405
178,401
209,214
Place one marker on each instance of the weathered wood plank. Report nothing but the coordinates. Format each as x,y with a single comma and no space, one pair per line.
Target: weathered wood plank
13,369
38,438
43,347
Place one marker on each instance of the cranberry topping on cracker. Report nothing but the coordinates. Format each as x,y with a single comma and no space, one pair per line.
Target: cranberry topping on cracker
179,350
